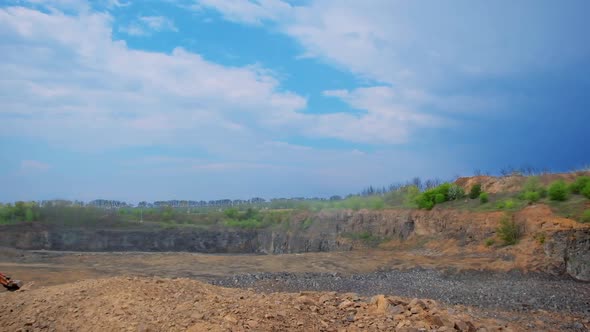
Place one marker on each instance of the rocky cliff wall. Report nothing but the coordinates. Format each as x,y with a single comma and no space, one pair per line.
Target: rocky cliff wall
566,243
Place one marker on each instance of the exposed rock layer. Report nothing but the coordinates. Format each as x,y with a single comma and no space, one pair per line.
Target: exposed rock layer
566,243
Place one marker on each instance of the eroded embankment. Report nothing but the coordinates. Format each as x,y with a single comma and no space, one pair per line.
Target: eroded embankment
565,244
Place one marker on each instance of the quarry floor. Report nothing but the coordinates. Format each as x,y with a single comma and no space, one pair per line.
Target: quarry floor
556,303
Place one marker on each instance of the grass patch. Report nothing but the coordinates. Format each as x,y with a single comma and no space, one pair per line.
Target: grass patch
573,208
366,237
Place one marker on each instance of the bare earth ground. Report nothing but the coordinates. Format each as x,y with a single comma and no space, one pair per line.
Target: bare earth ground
559,304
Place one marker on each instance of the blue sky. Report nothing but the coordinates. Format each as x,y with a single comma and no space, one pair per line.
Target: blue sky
183,99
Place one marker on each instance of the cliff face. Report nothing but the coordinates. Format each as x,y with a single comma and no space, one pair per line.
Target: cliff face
566,244
573,248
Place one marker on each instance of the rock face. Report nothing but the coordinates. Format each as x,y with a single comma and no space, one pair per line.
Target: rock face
573,247
567,243
38,237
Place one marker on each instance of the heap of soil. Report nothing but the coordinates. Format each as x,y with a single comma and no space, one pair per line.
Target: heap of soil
155,304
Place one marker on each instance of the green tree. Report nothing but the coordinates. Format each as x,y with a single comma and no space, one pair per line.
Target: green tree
475,191
532,196
29,215
578,186
483,198
232,213
558,191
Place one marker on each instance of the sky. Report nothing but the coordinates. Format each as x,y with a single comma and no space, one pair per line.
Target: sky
211,99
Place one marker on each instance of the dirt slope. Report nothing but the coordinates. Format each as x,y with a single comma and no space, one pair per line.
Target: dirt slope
153,304
512,183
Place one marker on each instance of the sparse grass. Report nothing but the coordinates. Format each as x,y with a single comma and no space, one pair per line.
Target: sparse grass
585,216
490,242
508,231
496,202
572,208
307,223
366,237
540,237
244,224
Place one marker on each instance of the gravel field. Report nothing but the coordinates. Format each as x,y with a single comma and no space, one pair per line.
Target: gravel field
508,291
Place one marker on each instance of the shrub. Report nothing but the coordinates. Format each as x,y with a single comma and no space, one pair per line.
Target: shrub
246,223
490,242
455,192
540,237
558,191
533,191
411,194
532,183
29,216
232,213
439,198
578,186
508,231
586,191
509,204
475,191
424,201
484,198
532,196
585,216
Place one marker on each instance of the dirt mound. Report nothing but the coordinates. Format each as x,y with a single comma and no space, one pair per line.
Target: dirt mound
155,304
512,183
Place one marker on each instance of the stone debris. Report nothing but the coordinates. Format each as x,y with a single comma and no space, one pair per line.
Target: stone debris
156,304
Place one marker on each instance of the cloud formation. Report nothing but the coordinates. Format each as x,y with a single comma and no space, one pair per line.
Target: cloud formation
65,77
145,25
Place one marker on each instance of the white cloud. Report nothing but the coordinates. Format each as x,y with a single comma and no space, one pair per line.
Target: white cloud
145,25
75,85
158,23
63,78
407,42
249,12
387,120
427,56
33,166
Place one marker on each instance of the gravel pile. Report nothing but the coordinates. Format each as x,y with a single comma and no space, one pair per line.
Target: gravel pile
513,291
156,304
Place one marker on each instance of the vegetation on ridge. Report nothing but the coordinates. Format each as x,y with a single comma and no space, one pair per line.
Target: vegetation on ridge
568,199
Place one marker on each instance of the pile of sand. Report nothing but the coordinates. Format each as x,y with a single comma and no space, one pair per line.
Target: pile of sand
155,304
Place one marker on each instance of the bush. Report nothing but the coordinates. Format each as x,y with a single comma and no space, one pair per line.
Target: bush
431,197
532,196
424,202
540,237
578,186
508,231
509,204
475,191
455,192
558,191
585,216
484,198
586,191
490,242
